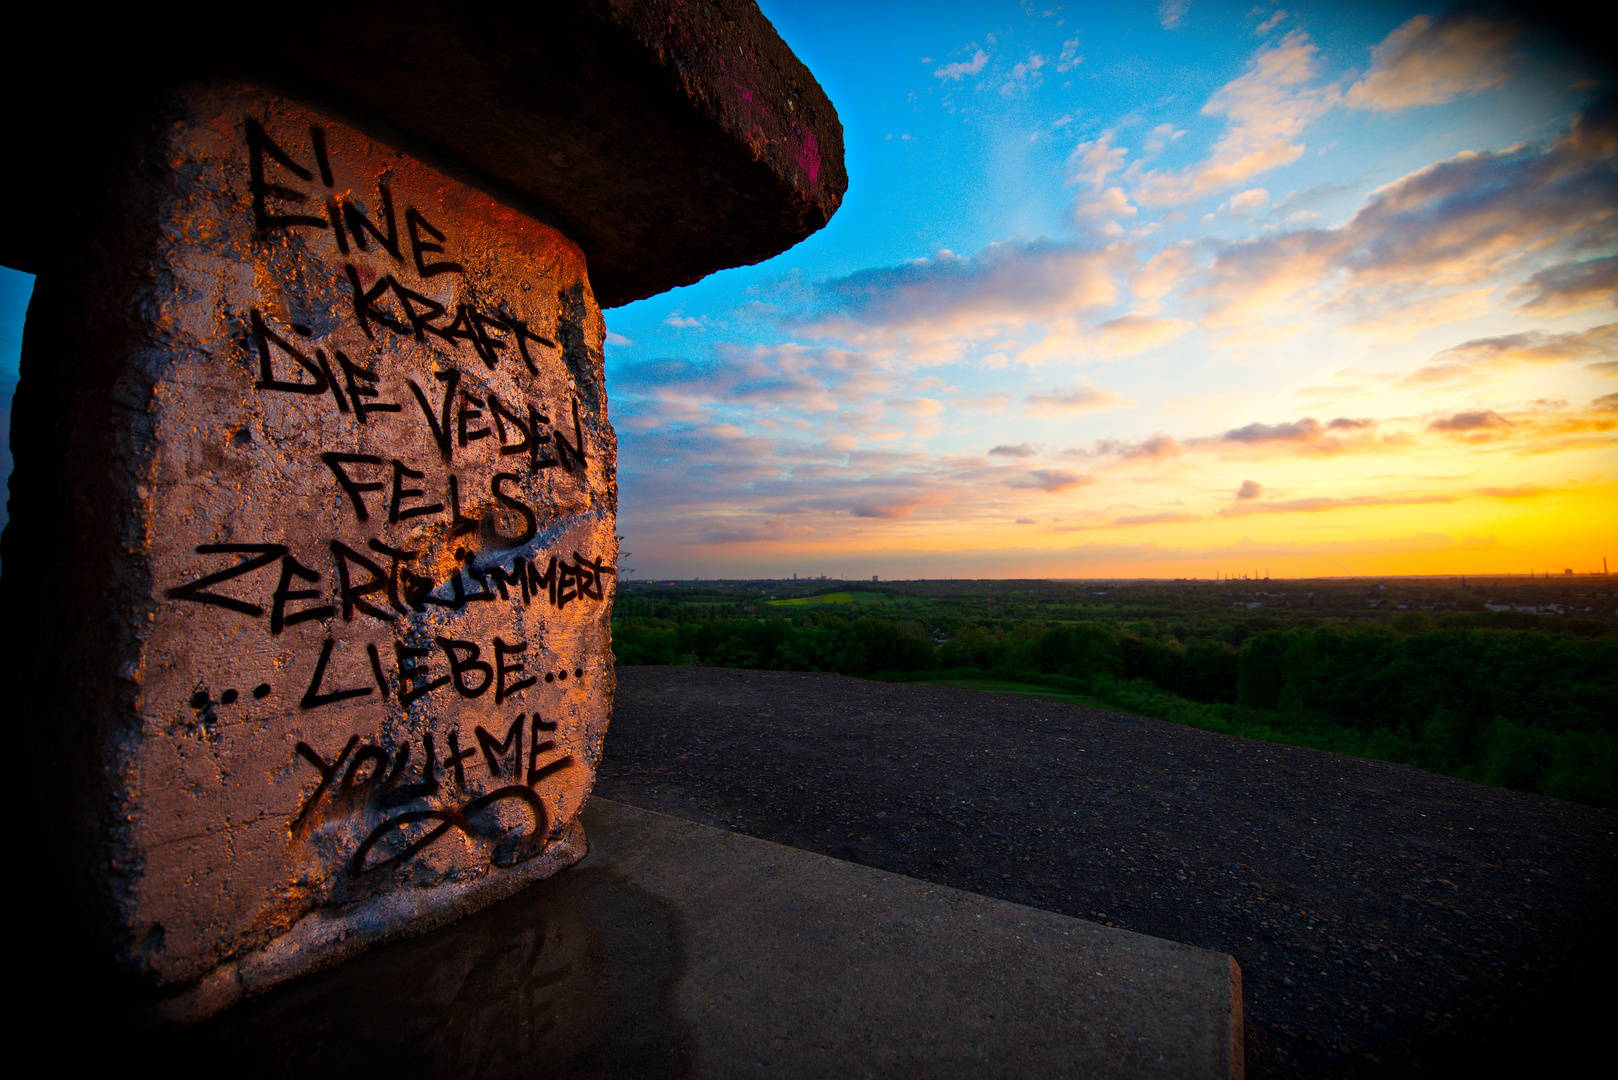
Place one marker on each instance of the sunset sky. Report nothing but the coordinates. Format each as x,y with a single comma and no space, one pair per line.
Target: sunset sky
1151,292
1123,291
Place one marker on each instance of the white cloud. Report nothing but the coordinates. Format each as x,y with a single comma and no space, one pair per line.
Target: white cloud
951,298
1170,13
962,68
1249,201
1092,162
1267,108
1164,271
1069,57
1161,136
762,378
1270,24
1021,70
1109,207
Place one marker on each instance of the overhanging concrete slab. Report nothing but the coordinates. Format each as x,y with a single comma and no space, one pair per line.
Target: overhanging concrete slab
679,949
668,138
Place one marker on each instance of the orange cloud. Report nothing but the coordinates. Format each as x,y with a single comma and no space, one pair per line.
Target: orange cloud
897,507
1066,400
1163,272
1048,480
1316,505
1467,360
1470,421
1424,62
1135,332
1167,518
1306,430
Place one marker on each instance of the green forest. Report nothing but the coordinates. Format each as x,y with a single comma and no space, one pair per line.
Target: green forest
1513,683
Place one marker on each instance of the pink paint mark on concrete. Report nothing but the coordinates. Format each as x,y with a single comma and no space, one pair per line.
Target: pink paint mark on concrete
809,157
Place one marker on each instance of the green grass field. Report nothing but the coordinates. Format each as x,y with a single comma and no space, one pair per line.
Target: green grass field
1000,686
862,598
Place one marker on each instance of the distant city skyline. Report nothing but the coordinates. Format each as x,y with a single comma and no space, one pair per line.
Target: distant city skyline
1123,291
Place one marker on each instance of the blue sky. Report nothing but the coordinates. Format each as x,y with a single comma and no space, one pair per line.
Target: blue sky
15,288
1123,290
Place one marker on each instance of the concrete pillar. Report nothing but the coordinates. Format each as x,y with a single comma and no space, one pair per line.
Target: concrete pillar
312,539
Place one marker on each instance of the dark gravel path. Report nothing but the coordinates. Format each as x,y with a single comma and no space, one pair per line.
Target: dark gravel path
1388,922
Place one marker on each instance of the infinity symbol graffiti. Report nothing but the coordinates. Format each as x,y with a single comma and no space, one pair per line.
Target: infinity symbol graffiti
527,846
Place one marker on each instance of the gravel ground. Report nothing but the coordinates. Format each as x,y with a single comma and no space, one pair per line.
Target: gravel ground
1388,922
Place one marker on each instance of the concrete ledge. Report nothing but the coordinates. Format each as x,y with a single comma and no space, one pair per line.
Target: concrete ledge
676,949
797,964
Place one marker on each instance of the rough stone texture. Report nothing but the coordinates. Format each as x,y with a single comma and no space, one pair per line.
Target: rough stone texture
670,139
312,535
676,949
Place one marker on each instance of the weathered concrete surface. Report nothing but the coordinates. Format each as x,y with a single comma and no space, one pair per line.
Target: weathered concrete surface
800,965
670,139
677,949
312,541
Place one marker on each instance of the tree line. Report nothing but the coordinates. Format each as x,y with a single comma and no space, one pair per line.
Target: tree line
1520,708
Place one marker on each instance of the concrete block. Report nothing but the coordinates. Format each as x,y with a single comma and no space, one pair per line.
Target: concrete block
313,523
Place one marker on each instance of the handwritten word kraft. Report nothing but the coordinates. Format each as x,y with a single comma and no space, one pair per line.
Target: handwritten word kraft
363,553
